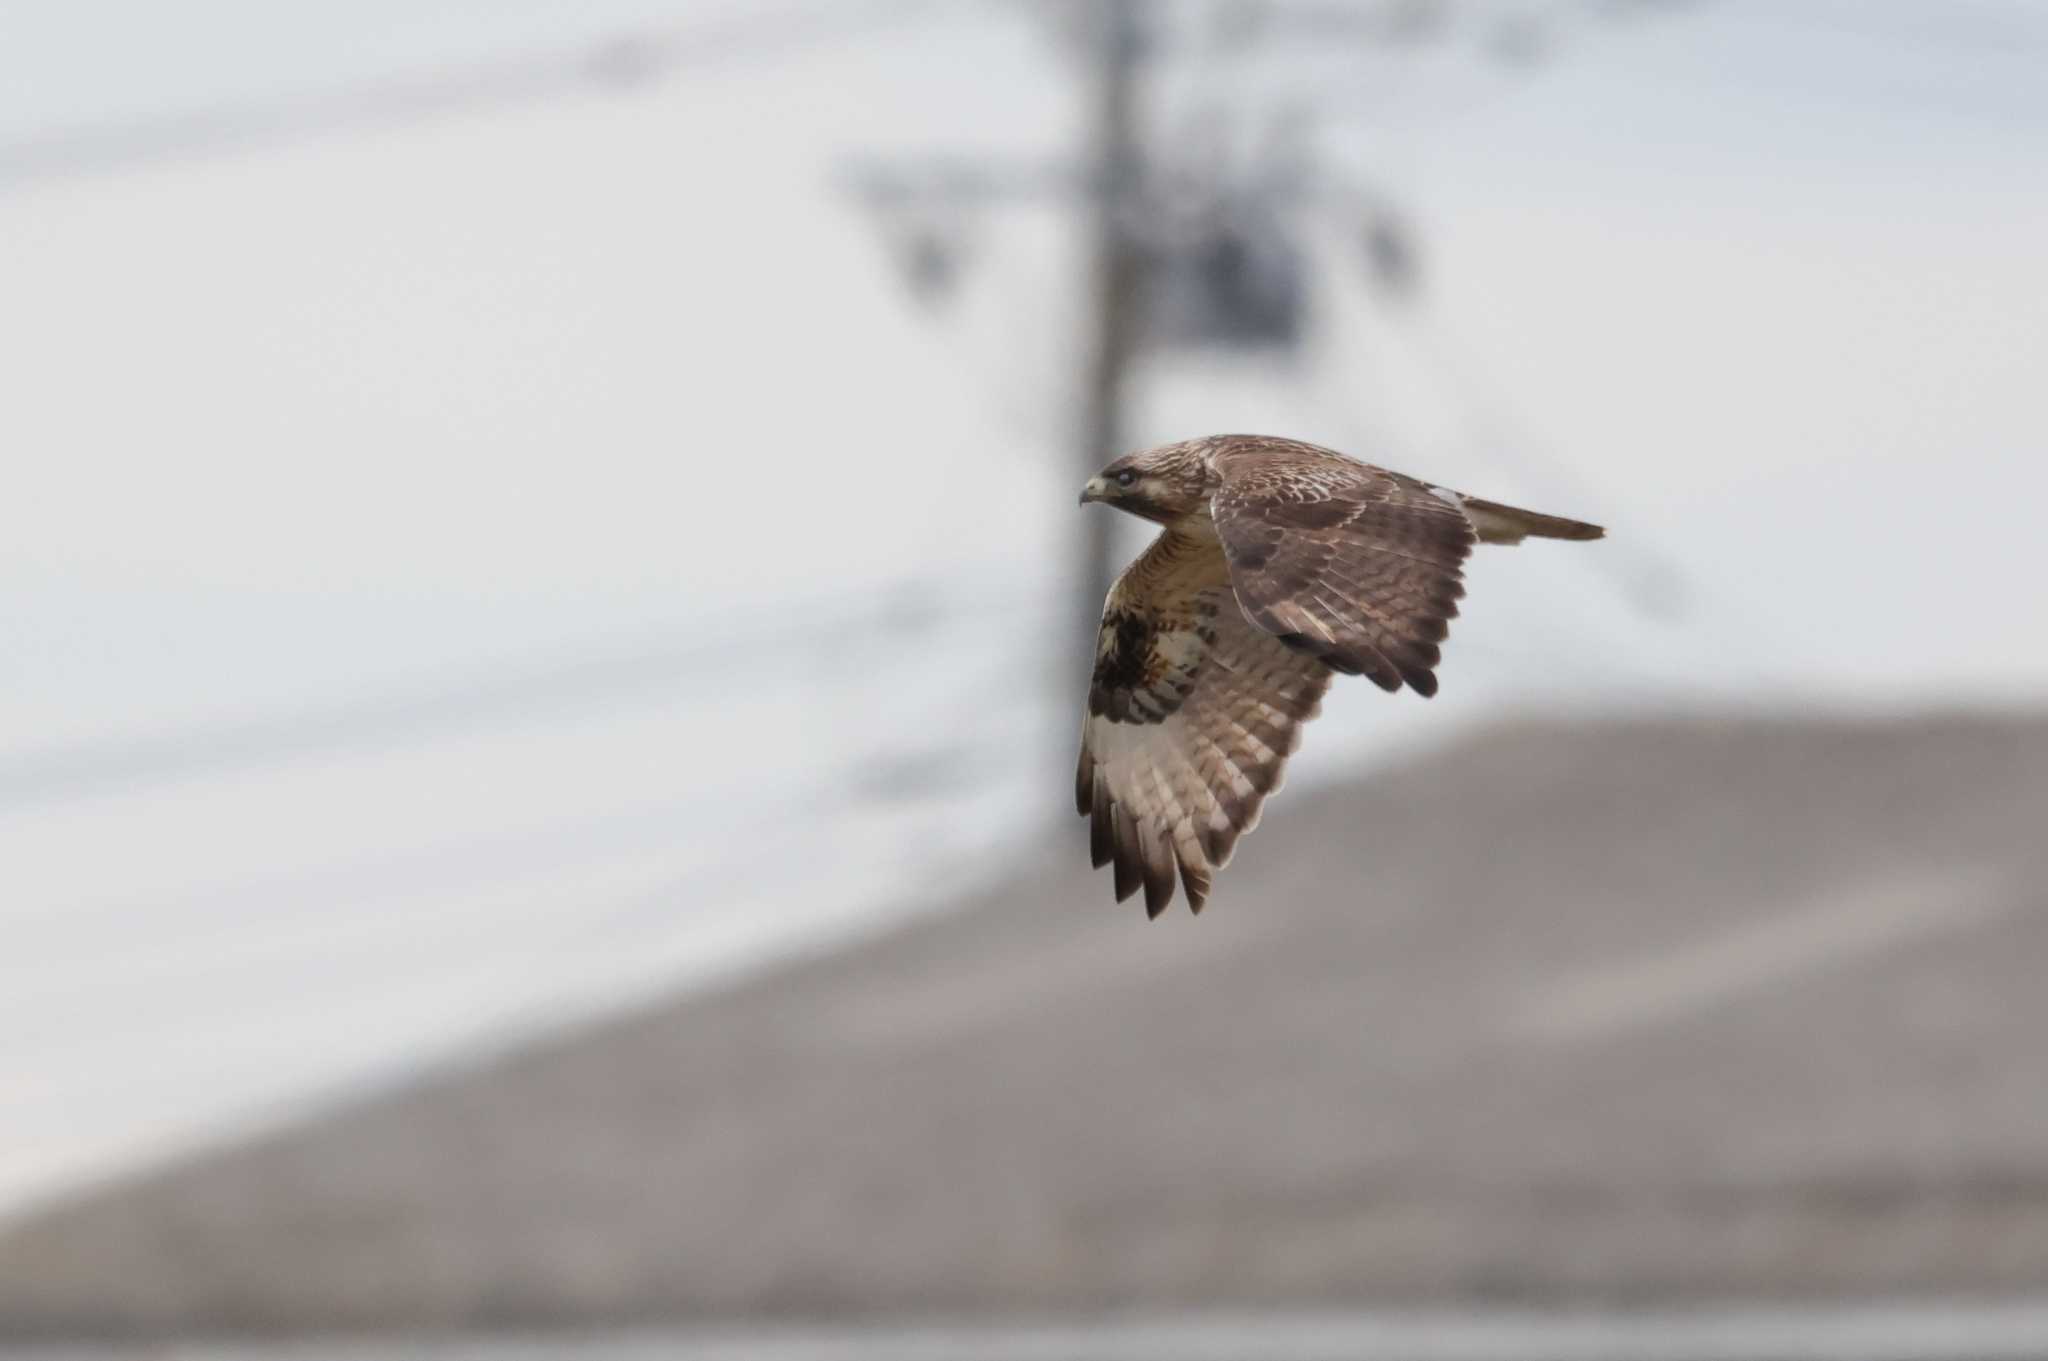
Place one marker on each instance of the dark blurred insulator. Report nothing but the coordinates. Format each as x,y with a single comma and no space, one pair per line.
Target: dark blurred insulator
1086,24
1416,20
1392,258
1235,25
1518,40
1233,282
637,59
1349,22
930,260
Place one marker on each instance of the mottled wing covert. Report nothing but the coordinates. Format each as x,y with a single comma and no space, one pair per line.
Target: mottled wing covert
1192,713
1349,563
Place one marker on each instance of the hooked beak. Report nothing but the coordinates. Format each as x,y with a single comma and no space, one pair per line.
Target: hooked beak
1096,490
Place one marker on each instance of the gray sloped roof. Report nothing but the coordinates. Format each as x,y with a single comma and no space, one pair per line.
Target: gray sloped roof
1662,1011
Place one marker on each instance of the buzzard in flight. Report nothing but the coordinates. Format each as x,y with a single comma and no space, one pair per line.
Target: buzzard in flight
1281,564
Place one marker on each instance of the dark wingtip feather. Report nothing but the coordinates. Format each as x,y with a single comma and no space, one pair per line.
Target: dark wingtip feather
1124,851
1158,881
1354,660
1194,876
1382,675
1128,881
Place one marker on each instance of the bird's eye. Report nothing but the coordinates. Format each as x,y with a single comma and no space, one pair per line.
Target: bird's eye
1126,477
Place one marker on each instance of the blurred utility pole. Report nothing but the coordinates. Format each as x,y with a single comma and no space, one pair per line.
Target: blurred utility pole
1115,302
920,202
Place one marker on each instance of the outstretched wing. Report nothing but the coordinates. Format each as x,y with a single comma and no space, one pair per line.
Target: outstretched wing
1192,713
1349,563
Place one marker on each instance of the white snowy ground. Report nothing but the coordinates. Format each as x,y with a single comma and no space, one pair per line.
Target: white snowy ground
464,574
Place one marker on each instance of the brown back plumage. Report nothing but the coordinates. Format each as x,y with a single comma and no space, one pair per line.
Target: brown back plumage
1350,563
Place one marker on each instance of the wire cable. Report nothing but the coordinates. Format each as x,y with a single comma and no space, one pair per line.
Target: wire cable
504,695
621,61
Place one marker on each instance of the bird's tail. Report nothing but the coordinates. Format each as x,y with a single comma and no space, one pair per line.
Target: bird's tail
1497,523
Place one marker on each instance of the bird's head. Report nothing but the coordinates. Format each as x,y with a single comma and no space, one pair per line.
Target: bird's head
1162,484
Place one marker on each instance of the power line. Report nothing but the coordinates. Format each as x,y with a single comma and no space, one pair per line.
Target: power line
540,851
1952,27
621,61
649,674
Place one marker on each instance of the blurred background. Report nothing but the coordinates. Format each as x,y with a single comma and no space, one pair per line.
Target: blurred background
545,617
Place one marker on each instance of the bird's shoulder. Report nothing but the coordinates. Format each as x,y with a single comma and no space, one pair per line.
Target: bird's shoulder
1253,471
1355,564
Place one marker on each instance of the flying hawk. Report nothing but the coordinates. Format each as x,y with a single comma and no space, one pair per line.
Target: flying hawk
1281,563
